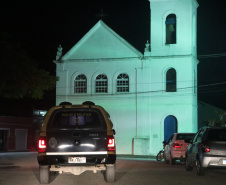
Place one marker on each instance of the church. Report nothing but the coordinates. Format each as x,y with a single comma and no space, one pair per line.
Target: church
149,95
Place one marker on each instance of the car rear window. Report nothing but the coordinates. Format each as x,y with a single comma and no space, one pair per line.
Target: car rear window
76,118
185,136
217,135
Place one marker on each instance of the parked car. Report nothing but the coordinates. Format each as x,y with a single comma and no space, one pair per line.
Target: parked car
207,150
76,138
176,146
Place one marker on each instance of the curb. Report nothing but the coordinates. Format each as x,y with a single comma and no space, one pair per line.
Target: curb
136,157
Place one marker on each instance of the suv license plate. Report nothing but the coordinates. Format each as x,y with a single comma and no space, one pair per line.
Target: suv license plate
224,161
76,160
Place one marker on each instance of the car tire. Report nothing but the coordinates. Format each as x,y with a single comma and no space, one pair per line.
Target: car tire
44,175
200,170
188,167
110,173
171,160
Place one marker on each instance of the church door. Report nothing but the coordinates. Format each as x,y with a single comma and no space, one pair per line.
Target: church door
170,127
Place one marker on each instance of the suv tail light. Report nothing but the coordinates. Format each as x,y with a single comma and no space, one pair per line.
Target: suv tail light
176,145
111,143
205,147
42,144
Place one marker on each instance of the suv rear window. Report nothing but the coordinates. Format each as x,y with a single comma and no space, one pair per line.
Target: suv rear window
217,135
185,136
76,118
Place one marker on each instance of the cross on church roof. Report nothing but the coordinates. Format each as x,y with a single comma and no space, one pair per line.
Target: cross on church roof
101,15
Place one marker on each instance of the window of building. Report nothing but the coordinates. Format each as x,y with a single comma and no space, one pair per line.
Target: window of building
171,29
123,83
171,81
101,84
80,84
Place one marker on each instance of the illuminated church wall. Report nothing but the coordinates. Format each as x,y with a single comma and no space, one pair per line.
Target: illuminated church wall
145,93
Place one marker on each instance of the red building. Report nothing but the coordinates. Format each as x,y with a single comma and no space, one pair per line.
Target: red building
16,134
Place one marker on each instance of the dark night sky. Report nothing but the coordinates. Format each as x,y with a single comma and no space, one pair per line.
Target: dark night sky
40,26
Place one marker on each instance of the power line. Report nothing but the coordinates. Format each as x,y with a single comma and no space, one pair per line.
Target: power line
212,55
133,84
219,83
156,91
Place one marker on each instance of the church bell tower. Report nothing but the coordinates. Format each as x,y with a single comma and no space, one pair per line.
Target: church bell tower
173,63
173,27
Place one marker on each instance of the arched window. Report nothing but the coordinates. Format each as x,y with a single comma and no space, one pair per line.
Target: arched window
80,84
101,84
171,80
123,83
171,29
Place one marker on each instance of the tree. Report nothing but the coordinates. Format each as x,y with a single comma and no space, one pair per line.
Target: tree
219,121
20,76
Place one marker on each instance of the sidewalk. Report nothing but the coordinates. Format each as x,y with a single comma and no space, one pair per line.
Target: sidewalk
136,157
119,156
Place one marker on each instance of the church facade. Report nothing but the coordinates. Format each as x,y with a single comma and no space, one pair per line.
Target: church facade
149,95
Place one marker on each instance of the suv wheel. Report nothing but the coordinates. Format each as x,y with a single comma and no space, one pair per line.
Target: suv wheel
200,170
188,167
171,160
44,176
110,173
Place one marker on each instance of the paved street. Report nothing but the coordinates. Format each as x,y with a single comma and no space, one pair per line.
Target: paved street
21,168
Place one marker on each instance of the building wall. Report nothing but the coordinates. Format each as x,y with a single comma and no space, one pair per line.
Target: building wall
13,124
121,107
141,113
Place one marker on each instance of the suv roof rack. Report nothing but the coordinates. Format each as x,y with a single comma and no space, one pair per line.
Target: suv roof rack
65,103
88,103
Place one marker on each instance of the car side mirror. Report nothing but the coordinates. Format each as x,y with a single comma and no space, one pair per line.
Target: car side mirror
188,140
113,131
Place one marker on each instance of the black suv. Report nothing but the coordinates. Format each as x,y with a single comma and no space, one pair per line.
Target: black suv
76,138
207,150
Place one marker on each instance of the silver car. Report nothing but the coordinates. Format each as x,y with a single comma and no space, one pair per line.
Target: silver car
207,150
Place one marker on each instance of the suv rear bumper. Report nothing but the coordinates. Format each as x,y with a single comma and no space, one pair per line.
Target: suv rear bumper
63,160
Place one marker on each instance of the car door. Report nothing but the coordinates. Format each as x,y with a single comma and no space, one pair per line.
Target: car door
190,148
193,149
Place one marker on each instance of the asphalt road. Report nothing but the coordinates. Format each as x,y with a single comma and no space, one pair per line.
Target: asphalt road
21,168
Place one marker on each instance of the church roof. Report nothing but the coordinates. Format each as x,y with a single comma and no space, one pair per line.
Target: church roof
101,42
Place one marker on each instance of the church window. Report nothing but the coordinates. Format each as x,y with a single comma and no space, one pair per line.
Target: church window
171,29
123,83
101,84
80,84
171,84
